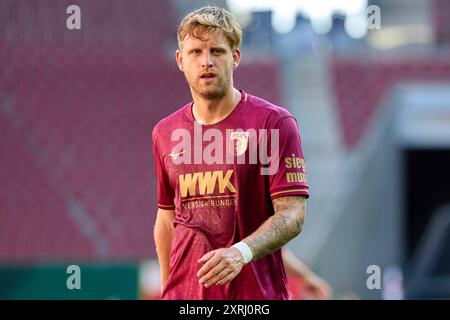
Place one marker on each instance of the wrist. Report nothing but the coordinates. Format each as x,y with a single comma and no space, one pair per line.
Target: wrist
245,251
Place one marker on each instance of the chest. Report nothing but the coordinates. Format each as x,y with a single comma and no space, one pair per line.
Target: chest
216,165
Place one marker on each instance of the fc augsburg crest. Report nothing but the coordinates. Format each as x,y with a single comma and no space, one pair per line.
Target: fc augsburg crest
241,138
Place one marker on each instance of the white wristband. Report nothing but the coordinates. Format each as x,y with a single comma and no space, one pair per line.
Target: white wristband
245,250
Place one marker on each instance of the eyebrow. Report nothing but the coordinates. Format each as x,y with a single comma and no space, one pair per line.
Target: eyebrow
212,48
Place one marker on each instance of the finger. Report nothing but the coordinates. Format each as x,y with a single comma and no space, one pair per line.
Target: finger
212,273
206,256
228,278
218,277
212,262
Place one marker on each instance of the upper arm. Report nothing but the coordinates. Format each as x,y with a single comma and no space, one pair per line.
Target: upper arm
289,178
165,192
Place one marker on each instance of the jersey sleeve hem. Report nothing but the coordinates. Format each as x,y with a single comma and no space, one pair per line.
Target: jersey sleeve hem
166,206
301,191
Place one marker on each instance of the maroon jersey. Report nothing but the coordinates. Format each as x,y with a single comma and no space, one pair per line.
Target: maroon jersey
221,179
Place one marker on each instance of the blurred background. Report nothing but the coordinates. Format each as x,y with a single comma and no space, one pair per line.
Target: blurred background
369,84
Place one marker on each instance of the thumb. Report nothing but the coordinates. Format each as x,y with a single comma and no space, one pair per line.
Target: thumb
206,256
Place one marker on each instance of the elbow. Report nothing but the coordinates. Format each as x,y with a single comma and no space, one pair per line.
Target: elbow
161,231
298,226
297,230
294,228
293,224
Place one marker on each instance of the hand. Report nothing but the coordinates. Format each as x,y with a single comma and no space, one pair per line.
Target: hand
317,288
220,266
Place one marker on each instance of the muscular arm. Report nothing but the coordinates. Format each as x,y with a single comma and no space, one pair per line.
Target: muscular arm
163,235
223,265
284,225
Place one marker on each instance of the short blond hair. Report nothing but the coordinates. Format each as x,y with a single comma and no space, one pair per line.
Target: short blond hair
201,21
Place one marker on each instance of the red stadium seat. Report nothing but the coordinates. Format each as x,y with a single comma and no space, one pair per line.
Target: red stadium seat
360,85
78,147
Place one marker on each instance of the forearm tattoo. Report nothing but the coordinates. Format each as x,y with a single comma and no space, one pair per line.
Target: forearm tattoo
284,225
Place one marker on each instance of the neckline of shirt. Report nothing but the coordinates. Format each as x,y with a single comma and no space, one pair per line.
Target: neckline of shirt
240,104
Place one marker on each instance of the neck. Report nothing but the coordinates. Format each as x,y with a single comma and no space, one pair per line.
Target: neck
210,111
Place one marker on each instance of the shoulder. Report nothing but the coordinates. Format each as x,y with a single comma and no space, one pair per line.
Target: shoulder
271,112
170,122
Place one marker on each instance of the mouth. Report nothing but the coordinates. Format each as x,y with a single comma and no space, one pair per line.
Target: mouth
208,76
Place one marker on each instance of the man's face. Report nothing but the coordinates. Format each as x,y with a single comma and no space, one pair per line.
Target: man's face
208,65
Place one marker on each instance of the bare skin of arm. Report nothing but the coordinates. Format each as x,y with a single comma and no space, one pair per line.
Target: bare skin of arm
163,235
284,225
223,265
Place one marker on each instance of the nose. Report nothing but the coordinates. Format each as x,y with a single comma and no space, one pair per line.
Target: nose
207,61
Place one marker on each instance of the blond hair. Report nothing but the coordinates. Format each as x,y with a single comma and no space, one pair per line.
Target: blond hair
201,21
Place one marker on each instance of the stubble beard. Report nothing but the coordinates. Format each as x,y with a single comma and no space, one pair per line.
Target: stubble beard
216,93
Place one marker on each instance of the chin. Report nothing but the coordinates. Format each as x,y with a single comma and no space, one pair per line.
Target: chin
213,94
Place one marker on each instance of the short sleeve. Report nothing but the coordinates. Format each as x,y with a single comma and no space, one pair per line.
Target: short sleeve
164,189
290,178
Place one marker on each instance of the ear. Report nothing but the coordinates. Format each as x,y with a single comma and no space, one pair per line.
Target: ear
236,58
179,58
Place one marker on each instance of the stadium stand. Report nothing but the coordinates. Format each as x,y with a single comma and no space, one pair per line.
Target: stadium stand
360,83
77,111
441,13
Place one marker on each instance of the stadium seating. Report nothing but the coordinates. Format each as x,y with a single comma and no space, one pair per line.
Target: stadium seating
441,15
360,84
103,23
76,116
